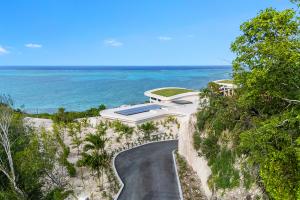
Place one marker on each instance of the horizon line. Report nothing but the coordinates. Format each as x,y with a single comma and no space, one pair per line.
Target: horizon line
116,65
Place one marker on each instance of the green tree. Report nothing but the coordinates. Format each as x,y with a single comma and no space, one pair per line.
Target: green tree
64,150
74,131
147,129
7,163
123,130
261,120
272,147
60,116
267,66
33,155
298,159
297,2
95,156
267,71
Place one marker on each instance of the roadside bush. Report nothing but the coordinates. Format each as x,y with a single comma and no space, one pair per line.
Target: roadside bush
197,141
202,118
210,148
224,174
58,194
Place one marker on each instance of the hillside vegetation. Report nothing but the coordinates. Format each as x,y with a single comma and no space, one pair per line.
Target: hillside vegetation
69,116
253,137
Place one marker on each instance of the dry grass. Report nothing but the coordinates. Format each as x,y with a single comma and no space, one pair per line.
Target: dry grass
190,183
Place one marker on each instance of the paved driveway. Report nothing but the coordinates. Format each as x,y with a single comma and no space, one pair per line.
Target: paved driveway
148,172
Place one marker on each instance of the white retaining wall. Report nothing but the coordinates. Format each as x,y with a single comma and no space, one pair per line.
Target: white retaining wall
186,149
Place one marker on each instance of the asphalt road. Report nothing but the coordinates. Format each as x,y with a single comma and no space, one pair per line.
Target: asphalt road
148,172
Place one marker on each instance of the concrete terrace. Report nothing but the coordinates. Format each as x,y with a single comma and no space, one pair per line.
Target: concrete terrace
177,105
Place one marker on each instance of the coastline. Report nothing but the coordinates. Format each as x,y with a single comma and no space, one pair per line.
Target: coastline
116,67
40,90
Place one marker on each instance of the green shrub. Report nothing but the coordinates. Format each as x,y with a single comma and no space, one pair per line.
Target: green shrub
58,194
63,159
210,148
218,125
248,179
69,116
147,129
197,141
202,119
224,173
122,129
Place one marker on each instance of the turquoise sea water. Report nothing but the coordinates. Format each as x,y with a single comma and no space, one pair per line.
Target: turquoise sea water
44,89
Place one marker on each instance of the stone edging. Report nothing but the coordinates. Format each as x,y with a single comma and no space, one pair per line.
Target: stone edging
177,176
122,184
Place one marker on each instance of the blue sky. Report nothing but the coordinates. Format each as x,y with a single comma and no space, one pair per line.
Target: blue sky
123,32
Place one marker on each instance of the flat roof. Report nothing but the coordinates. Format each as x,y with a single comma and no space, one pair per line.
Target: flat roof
226,83
137,110
168,92
167,108
182,102
113,114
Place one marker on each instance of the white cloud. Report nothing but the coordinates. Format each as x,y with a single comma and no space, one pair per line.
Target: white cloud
113,43
31,45
3,51
164,38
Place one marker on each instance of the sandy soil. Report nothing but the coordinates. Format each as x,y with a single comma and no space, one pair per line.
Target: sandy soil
84,184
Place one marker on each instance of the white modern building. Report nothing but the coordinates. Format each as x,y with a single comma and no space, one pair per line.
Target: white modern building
163,102
226,87
182,94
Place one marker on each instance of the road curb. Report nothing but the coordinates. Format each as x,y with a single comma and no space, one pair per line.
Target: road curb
121,182
177,176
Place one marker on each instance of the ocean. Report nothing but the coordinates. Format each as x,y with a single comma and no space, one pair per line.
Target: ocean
44,89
